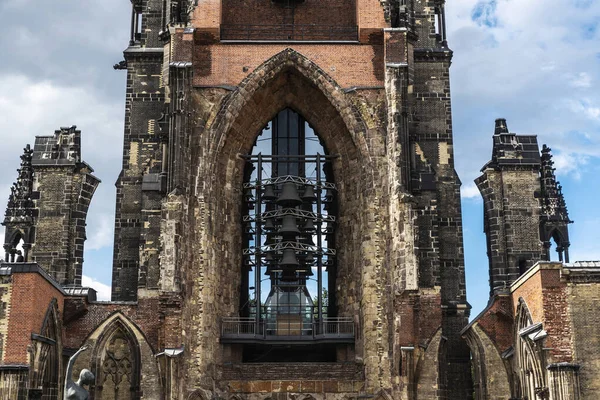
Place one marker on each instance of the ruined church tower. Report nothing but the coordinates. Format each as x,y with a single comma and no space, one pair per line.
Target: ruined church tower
288,225
288,192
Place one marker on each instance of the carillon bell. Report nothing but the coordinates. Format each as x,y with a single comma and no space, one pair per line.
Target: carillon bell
289,195
269,193
288,226
309,226
269,225
269,258
309,193
328,196
289,258
274,268
310,259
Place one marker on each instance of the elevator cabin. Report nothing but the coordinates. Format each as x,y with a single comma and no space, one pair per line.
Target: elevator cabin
287,300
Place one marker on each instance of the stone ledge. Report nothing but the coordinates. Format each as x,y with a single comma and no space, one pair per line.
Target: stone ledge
293,372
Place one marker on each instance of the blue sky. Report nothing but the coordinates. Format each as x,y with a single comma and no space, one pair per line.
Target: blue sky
534,62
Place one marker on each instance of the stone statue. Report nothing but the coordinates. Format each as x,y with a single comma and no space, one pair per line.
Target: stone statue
75,390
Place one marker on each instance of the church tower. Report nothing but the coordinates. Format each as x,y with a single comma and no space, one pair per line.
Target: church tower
524,208
288,192
48,205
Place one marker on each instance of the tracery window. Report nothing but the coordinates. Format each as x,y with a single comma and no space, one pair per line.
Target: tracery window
117,371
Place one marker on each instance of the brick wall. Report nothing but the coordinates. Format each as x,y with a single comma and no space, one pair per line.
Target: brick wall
229,64
318,12
31,296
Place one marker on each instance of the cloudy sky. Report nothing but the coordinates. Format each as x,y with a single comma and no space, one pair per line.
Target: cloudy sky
534,62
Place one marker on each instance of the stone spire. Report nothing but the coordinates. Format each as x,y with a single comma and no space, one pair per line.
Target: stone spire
20,205
554,218
554,207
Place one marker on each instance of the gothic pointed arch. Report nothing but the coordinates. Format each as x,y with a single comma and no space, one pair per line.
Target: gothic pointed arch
427,376
530,363
287,78
45,350
490,375
116,361
198,394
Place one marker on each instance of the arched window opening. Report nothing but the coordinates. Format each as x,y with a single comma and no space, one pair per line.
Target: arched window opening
529,363
289,266
15,249
556,248
47,344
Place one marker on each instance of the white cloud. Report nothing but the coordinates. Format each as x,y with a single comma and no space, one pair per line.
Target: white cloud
534,66
581,80
470,191
569,164
103,290
100,235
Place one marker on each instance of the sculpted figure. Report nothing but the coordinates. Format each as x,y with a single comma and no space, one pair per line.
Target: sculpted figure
75,390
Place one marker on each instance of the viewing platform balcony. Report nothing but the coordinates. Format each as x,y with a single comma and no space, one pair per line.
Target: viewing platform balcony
289,33
287,329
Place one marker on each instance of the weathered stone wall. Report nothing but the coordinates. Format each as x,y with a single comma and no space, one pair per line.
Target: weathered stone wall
512,215
583,298
437,192
63,188
137,218
141,372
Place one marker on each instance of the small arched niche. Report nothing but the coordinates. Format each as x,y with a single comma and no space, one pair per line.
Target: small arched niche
117,364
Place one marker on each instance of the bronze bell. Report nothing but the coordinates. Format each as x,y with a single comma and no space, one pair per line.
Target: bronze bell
288,226
309,226
289,258
289,195
328,196
309,261
269,258
269,225
275,268
269,193
309,193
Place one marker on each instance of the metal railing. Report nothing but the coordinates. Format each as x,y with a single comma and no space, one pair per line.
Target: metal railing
286,327
288,32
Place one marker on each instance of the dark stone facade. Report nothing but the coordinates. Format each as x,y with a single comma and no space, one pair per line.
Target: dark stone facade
202,83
